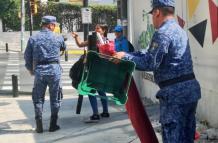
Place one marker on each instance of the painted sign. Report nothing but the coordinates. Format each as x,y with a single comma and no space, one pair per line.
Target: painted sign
86,15
145,37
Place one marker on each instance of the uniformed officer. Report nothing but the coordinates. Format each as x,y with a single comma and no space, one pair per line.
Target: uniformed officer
170,60
42,57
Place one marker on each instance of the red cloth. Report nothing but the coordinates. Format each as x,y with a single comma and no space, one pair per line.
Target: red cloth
197,135
107,49
139,117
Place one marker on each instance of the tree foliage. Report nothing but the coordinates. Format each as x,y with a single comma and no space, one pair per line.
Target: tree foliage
9,13
68,15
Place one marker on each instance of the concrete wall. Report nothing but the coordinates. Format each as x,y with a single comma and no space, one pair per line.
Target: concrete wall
200,19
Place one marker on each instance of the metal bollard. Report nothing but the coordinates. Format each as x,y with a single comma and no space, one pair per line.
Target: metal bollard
15,86
6,45
79,104
66,56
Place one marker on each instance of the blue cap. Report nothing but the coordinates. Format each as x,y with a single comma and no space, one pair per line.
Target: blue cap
48,19
162,3
118,29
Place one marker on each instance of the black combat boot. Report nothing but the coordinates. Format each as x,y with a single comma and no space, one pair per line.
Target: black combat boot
53,124
39,128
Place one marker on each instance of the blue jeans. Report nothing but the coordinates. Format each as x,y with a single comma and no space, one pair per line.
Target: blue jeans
94,104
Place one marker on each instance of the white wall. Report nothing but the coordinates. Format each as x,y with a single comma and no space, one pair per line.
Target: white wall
206,67
204,57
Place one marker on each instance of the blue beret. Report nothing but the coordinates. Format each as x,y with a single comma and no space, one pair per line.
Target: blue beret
118,29
49,19
162,3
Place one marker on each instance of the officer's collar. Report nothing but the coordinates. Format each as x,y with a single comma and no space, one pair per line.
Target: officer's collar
46,30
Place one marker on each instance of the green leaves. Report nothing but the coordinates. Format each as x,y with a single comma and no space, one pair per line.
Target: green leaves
68,15
6,6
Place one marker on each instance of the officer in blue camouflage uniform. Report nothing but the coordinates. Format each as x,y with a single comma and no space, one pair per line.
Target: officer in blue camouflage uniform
170,60
42,57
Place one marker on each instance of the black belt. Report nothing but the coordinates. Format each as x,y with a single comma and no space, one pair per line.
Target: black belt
182,78
47,62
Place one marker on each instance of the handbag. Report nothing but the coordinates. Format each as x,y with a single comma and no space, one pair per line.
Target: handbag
76,71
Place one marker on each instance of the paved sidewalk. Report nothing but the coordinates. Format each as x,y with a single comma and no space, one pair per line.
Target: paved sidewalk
17,123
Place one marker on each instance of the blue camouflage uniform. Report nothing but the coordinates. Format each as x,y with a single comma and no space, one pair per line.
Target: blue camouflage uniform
170,60
42,57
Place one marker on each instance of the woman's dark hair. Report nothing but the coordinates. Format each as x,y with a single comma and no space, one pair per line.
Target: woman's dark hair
104,27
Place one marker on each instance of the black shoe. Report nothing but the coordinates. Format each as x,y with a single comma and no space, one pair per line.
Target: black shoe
39,127
54,128
93,119
105,115
53,124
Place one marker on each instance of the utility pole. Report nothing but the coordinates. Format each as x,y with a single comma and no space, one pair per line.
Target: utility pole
124,19
119,12
86,33
85,26
1,25
30,18
22,24
122,16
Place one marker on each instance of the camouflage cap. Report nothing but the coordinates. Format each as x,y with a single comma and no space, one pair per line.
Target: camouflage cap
49,19
161,3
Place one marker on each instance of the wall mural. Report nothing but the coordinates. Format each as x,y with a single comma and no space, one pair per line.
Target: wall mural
200,27
145,36
214,19
198,30
192,6
181,21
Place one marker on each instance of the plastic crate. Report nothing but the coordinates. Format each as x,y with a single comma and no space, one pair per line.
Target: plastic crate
101,73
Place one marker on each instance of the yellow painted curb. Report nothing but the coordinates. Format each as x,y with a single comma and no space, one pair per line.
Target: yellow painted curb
75,52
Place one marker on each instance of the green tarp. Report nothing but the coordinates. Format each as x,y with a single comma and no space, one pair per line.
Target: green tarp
102,73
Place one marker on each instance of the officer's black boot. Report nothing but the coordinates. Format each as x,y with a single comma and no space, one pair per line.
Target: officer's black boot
39,128
53,124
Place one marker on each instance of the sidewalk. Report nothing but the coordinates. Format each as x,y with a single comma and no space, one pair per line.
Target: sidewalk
17,123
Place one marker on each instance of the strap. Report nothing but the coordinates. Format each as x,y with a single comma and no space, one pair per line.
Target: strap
182,78
47,62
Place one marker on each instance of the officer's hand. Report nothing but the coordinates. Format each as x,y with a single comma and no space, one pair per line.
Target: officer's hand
62,53
119,55
116,61
74,34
